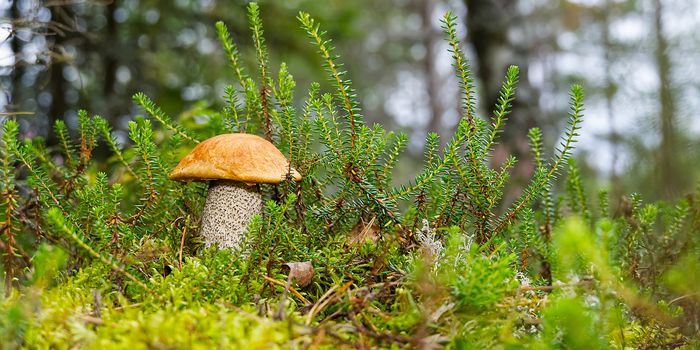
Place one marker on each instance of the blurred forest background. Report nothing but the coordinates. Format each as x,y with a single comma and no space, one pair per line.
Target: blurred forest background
639,61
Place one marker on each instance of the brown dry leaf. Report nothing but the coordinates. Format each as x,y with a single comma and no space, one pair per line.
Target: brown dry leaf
362,232
300,272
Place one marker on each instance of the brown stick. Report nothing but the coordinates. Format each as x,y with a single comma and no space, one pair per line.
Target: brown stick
291,289
182,241
325,299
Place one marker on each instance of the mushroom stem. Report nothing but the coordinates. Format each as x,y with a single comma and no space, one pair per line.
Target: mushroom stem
229,207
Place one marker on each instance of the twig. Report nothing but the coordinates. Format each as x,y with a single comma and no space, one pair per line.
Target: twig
323,302
317,306
291,289
182,241
281,315
93,320
16,113
161,228
683,297
334,315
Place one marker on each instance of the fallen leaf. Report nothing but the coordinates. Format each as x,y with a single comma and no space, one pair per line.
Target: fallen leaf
361,233
300,272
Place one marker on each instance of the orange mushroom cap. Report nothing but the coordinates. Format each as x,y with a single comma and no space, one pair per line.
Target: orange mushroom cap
238,157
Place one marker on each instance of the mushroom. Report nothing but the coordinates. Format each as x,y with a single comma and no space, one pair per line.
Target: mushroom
234,164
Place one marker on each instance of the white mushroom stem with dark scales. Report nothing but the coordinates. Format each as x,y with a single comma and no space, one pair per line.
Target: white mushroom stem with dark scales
229,207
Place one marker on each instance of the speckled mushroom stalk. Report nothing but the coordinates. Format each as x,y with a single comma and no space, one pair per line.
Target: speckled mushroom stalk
229,207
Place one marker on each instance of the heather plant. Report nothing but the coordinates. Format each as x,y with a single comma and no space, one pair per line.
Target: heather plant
107,254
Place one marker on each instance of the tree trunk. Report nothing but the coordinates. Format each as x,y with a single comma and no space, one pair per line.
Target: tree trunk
432,76
57,83
488,22
109,58
669,182
17,71
616,190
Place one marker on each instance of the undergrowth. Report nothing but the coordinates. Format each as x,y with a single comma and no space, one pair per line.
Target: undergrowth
106,254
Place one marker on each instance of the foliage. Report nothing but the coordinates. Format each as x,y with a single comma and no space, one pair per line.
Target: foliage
107,255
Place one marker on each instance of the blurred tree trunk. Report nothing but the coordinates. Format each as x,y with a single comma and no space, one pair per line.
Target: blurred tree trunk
488,23
610,90
113,51
109,58
16,79
432,76
57,83
669,180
